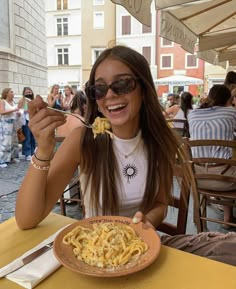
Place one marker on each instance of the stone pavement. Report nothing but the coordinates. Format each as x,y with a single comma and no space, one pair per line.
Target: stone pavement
10,180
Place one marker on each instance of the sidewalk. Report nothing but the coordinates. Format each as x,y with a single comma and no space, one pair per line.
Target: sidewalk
12,176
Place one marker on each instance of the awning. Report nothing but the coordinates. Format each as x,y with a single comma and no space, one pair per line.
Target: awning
208,27
178,80
205,27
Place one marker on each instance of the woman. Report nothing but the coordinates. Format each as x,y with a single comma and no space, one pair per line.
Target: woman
69,94
121,89
28,145
9,113
55,98
181,111
130,174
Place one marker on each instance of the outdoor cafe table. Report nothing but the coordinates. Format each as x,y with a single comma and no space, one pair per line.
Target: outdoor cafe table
173,269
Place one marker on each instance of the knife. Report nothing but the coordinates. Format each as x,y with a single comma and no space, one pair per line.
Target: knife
29,258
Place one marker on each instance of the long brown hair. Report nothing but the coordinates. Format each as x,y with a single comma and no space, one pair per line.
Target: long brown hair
98,160
5,93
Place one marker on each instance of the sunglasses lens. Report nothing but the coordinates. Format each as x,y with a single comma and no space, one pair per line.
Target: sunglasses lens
100,91
123,86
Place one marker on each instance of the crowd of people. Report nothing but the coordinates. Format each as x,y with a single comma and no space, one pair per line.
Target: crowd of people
14,117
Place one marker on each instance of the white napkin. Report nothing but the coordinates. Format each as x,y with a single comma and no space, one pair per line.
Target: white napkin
33,273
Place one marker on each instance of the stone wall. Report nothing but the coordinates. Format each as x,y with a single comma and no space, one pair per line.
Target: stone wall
23,60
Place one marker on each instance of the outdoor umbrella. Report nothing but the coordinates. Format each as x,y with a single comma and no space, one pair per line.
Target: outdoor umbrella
207,28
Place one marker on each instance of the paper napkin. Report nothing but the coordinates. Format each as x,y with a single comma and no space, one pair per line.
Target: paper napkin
33,273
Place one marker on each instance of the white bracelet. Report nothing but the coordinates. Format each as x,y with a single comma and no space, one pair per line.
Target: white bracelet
37,167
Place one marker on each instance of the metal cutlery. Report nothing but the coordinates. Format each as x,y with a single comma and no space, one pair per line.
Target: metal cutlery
73,114
26,260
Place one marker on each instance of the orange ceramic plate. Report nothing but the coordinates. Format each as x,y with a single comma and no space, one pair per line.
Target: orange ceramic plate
66,257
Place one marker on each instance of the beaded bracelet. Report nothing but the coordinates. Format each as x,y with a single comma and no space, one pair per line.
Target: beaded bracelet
41,159
37,167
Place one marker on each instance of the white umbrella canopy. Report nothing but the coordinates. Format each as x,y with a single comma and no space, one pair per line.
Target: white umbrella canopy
178,80
209,24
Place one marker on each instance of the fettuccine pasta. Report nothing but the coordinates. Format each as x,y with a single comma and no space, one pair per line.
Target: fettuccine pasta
106,245
101,125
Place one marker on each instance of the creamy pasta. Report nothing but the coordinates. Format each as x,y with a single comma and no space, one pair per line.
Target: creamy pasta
105,245
101,125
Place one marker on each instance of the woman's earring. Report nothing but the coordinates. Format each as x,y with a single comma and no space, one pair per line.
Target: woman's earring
99,109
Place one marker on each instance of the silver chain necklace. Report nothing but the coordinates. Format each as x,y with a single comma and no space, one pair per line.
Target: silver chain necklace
129,170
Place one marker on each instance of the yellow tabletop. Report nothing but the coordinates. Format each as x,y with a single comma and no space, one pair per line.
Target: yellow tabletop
173,269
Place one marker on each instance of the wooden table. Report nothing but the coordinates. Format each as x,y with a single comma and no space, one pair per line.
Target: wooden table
173,269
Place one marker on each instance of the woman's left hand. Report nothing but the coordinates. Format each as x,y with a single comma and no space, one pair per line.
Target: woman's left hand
140,217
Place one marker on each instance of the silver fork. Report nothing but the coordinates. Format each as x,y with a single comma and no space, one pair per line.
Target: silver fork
73,114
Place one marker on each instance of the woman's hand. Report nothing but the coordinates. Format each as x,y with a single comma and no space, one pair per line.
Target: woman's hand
140,217
43,123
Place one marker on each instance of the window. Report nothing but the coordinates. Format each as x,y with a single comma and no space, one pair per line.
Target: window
165,42
126,25
62,26
191,61
98,2
63,56
95,53
98,20
62,4
147,53
146,29
167,61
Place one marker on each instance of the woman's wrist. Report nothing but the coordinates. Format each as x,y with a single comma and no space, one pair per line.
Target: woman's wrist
43,157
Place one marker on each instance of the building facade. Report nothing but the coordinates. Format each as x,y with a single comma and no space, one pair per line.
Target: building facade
134,34
98,31
23,46
63,32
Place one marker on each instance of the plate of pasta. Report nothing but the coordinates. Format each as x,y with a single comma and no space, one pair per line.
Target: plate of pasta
107,246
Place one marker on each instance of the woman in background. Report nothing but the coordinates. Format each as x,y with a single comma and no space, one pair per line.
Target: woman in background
69,94
28,145
55,98
9,113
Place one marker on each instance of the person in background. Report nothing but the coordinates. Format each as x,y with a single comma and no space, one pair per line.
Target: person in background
69,94
216,119
180,111
9,114
233,95
130,174
77,106
230,80
55,98
28,145
172,99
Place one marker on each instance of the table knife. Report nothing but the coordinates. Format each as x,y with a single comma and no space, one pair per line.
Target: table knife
29,258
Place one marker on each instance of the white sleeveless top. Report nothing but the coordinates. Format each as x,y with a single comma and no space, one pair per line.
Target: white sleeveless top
8,106
132,164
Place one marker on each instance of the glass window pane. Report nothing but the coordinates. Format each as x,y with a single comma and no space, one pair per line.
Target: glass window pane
59,59
65,28
66,59
65,4
59,30
126,25
58,4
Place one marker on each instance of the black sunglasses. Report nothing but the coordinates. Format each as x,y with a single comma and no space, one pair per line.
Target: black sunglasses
121,86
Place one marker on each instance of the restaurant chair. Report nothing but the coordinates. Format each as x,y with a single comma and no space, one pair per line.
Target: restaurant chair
67,197
180,126
179,202
205,197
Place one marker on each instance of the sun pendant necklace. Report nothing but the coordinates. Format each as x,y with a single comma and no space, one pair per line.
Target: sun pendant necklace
129,170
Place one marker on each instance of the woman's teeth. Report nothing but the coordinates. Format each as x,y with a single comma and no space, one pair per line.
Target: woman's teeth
116,107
